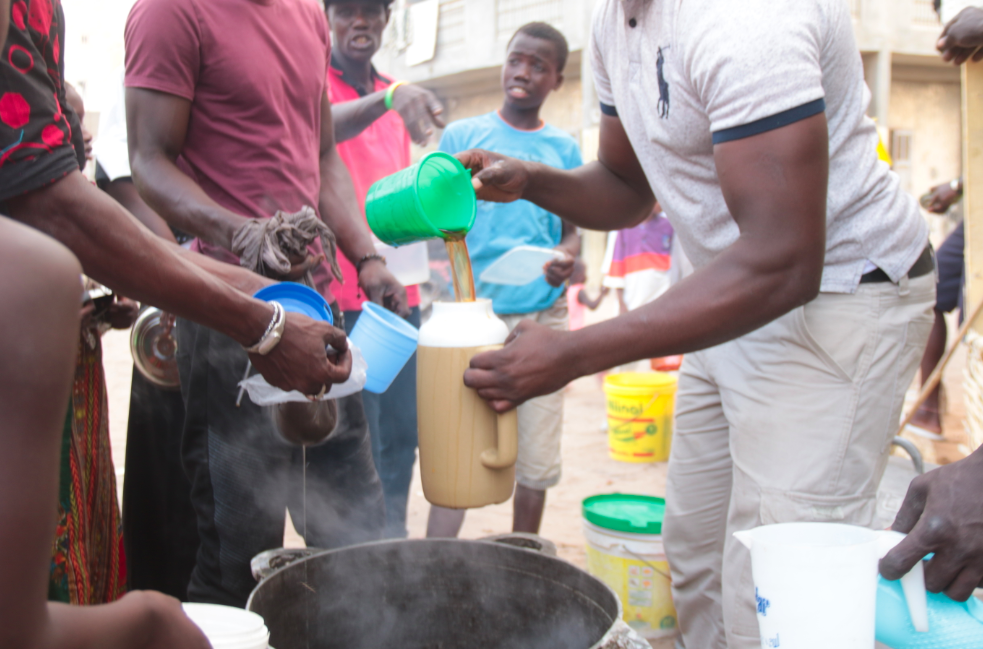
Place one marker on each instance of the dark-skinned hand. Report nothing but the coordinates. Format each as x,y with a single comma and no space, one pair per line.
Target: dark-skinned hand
962,37
382,287
299,362
300,265
528,366
495,177
558,271
420,110
943,513
122,313
941,197
166,626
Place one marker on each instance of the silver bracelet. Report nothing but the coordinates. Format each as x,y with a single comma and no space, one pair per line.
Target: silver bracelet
273,334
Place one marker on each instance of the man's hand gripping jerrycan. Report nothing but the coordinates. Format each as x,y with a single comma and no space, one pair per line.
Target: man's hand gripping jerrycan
817,586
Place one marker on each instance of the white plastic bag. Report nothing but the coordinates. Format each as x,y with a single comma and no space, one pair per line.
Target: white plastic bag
622,636
264,394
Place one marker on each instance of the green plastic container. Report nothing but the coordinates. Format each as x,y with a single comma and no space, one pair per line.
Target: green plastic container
432,199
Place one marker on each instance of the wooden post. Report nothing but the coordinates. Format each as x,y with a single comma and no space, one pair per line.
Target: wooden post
972,131
972,117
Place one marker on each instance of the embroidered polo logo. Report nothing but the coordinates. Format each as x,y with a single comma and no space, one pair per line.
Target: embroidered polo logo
663,104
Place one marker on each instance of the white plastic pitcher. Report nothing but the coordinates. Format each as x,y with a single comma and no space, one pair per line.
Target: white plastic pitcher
815,584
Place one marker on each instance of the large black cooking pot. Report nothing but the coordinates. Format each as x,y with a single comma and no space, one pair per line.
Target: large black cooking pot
434,594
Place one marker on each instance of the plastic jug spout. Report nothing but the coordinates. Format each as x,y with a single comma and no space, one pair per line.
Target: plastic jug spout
746,537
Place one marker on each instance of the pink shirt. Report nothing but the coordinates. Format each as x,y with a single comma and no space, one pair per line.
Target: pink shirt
255,73
378,151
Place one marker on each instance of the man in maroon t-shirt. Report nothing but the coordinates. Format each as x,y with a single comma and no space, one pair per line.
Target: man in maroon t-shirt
228,120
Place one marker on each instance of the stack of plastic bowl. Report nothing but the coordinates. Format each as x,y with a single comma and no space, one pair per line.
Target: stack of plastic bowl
229,628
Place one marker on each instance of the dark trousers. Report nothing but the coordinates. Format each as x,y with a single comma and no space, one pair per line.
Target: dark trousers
392,422
160,530
244,477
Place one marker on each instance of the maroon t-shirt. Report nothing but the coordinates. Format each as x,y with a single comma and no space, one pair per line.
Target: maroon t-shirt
254,71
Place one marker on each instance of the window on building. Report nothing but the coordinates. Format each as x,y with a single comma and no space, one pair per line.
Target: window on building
923,13
450,26
901,148
513,14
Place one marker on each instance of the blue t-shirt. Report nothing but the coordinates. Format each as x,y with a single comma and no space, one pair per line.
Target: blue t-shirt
499,227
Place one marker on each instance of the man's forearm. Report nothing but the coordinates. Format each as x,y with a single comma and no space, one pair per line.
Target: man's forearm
182,202
735,294
352,117
339,208
590,196
116,250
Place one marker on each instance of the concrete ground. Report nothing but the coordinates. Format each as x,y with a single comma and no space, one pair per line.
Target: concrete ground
587,469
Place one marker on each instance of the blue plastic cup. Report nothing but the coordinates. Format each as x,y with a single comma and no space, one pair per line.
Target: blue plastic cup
386,341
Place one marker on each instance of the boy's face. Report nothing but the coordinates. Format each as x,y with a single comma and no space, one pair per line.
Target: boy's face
530,72
356,28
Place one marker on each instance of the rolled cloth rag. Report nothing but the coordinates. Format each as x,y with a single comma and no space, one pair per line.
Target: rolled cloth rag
265,246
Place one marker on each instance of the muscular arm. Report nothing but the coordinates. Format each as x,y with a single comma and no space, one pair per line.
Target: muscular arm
775,187
340,210
125,193
609,194
116,250
419,109
157,124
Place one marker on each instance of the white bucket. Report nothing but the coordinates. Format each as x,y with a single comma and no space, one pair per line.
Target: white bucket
635,567
227,627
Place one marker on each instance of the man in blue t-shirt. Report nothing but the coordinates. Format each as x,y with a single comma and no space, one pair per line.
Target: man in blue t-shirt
533,68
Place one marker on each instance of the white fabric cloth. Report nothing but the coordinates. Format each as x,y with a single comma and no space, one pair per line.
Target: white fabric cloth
689,69
110,148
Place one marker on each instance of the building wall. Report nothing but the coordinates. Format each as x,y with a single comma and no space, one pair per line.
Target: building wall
931,112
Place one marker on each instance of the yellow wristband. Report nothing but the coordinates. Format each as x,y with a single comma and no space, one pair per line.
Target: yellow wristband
390,91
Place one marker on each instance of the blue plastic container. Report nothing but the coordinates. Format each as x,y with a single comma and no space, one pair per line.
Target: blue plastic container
387,342
951,624
298,298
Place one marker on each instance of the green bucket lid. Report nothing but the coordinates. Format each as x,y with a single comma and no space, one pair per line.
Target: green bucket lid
626,513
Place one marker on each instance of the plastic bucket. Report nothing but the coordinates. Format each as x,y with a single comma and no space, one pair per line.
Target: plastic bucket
387,342
640,406
426,200
624,550
227,627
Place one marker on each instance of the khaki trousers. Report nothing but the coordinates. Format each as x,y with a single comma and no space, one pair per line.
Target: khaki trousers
792,422
540,419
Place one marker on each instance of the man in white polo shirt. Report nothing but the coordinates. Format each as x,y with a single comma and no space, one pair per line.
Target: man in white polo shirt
812,299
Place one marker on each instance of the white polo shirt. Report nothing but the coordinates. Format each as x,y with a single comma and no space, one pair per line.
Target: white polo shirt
683,75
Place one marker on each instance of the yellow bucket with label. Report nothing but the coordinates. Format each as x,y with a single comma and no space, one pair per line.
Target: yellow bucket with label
624,550
640,408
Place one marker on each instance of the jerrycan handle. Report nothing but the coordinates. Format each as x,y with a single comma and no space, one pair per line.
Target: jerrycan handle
912,584
507,451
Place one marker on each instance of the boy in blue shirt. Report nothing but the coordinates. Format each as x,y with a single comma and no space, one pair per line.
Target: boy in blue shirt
533,68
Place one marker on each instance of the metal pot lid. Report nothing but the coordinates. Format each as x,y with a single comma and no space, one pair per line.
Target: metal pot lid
153,346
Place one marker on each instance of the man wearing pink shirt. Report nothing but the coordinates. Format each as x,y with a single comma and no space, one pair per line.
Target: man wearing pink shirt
374,141
228,120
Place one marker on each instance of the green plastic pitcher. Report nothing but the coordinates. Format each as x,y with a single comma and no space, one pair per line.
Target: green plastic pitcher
431,199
